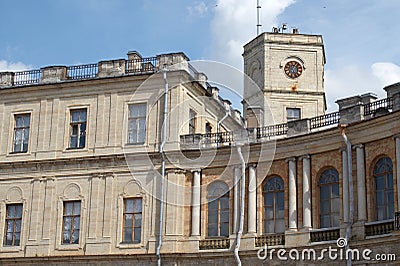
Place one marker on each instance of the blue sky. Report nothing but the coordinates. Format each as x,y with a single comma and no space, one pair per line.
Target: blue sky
361,36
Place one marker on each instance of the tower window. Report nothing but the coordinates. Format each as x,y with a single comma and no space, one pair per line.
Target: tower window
293,114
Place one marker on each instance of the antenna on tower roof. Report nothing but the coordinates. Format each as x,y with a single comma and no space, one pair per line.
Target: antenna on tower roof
258,17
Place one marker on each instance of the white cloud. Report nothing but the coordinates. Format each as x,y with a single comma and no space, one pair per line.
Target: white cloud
234,24
388,73
11,66
197,9
350,80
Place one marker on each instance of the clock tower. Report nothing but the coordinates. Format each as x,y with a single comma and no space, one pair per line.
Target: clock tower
289,70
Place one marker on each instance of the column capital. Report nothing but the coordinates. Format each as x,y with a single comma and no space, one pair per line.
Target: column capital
254,165
305,156
176,171
358,146
195,170
396,137
291,159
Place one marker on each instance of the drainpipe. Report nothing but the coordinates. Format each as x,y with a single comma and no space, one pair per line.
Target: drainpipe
351,195
243,184
163,141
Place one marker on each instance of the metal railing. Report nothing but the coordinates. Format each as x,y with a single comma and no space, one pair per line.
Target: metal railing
379,228
270,240
325,120
383,104
86,71
27,77
325,234
144,65
217,243
270,131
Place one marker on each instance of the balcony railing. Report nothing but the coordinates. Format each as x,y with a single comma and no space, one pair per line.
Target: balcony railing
218,243
384,104
379,228
325,234
144,65
82,71
86,71
270,240
325,120
27,77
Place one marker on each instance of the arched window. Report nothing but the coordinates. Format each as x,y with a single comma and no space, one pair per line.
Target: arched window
274,213
329,214
218,209
384,194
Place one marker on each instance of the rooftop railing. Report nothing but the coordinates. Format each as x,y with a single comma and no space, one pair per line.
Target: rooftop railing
82,71
325,120
27,77
373,107
86,71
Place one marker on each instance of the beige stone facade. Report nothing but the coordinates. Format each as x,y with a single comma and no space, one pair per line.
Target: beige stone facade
113,168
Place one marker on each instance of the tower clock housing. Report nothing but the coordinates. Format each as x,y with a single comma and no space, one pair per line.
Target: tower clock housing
289,70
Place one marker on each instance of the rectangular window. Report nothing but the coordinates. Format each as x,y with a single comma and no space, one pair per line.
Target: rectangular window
208,128
71,222
293,114
132,220
192,122
137,123
78,129
21,132
12,234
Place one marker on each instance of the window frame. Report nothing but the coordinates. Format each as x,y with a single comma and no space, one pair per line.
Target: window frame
24,128
15,219
292,118
219,210
386,190
192,121
73,216
275,205
133,241
137,120
330,199
78,124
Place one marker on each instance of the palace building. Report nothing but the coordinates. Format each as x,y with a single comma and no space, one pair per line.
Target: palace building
141,161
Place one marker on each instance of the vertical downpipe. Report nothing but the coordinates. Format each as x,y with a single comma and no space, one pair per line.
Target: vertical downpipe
163,141
241,221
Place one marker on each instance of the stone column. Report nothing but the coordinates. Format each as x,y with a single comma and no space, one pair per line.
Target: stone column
196,203
397,139
252,207
292,195
345,186
306,192
361,199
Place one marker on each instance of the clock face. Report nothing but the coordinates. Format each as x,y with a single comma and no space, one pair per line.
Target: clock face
293,69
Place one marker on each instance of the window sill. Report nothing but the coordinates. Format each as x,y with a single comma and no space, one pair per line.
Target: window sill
130,245
135,144
70,247
10,249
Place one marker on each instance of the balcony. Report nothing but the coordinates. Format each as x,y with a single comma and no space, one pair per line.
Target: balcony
270,240
379,228
217,243
325,234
